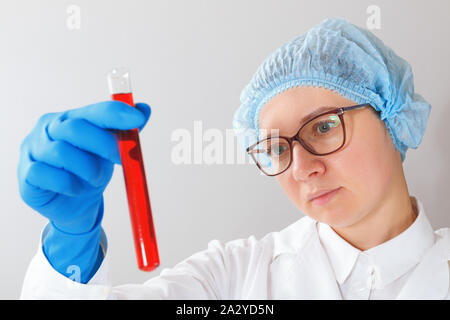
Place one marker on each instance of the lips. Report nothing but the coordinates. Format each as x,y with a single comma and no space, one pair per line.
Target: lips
319,193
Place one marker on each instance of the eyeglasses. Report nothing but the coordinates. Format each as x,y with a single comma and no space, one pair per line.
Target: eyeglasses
321,135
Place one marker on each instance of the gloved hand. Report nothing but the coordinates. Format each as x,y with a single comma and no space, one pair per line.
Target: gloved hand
65,164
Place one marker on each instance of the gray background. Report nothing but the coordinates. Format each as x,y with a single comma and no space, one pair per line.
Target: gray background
189,61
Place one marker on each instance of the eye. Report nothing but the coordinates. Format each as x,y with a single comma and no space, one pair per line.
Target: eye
325,126
277,149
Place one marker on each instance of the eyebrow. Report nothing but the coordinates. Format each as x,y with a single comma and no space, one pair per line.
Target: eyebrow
316,113
311,115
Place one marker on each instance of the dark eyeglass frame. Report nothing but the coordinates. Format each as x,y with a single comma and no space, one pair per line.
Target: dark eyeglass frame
296,137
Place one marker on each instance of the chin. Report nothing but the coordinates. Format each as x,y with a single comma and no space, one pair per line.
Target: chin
337,221
334,213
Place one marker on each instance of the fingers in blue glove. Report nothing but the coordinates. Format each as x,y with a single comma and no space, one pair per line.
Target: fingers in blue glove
83,128
85,136
93,169
46,177
110,115
146,110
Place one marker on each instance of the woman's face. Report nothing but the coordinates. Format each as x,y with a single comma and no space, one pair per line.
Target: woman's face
363,168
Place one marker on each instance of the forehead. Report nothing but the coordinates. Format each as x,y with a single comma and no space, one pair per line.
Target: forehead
285,111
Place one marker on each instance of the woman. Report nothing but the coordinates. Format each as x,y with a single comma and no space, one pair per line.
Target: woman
331,114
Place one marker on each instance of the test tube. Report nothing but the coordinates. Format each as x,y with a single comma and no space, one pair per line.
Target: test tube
134,175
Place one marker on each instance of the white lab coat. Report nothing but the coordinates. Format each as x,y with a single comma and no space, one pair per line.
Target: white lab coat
290,264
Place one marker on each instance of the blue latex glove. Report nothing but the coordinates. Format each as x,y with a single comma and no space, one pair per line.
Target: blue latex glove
65,164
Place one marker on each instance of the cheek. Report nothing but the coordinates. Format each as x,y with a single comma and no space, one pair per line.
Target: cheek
290,187
367,164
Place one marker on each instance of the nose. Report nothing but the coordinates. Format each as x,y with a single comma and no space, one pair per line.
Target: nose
304,164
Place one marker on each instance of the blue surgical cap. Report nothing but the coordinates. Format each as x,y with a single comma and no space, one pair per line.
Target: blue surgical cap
349,60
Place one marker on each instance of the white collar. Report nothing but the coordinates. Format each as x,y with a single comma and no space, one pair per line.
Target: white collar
391,259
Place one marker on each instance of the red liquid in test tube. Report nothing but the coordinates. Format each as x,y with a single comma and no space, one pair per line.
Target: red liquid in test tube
135,181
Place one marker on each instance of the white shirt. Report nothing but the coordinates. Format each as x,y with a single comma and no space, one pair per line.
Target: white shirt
306,260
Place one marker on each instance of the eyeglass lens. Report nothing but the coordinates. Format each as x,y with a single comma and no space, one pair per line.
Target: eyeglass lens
322,135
